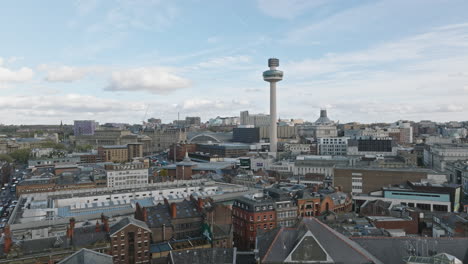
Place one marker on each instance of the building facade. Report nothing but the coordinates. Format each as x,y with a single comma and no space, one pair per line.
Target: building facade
257,120
130,174
84,127
130,242
438,155
337,146
364,180
250,214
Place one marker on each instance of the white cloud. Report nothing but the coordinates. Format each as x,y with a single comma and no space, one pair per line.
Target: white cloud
50,109
22,75
67,73
155,80
415,53
13,59
136,15
203,104
288,8
225,61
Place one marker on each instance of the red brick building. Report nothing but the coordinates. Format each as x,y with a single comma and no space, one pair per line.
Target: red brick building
313,202
249,215
130,241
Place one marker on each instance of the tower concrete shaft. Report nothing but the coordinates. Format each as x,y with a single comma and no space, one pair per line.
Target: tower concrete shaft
273,76
273,124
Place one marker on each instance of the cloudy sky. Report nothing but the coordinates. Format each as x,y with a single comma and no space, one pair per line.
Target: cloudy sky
364,60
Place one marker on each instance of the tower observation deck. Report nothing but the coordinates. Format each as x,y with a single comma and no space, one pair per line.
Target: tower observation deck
273,76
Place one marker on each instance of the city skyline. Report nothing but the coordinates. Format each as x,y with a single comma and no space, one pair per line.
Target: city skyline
366,61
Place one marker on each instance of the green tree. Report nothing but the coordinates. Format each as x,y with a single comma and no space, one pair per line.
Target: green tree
21,155
84,148
53,145
6,157
163,173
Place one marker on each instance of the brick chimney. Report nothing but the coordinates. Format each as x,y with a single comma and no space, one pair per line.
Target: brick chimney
340,188
166,202
106,225
145,215
72,222
7,243
98,226
68,232
200,204
138,212
72,227
173,210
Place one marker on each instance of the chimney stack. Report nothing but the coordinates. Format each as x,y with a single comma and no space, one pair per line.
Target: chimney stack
106,225
200,204
145,214
72,227
98,226
138,212
173,210
166,202
340,188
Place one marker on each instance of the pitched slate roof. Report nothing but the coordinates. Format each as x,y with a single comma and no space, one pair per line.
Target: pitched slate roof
84,256
407,246
204,256
127,221
322,243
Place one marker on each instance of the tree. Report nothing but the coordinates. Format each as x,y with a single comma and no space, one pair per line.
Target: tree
84,148
6,157
163,173
53,145
21,155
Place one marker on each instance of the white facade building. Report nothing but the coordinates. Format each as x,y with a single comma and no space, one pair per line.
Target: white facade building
332,146
132,174
297,148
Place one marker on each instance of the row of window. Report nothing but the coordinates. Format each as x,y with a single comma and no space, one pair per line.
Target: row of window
286,214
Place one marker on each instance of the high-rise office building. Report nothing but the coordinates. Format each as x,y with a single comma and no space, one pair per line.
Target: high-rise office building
84,127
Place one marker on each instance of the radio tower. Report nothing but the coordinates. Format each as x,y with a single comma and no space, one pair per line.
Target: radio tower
273,76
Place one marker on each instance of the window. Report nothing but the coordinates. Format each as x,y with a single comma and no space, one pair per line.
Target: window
264,217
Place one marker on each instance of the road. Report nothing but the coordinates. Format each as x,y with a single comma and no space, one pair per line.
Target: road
8,197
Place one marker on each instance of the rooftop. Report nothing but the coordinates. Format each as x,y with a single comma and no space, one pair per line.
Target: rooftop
85,255
204,256
311,241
